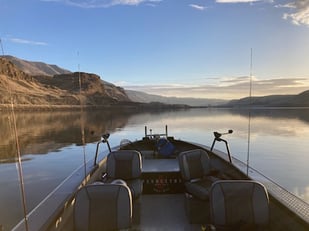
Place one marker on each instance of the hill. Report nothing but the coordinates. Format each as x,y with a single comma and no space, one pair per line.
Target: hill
299,100
143,97
37,83
57,90
35,68
96,91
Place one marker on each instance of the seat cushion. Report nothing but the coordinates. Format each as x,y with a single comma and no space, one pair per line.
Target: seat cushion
103,207
195,170
239,203
124,164
199,188
194,164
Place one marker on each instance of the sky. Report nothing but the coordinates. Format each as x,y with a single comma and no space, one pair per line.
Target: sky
182,48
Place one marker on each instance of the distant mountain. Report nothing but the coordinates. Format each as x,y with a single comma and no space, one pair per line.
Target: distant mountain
300,100
36,68
37,83
143,97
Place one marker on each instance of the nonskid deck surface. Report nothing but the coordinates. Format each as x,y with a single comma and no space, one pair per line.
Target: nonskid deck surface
164,212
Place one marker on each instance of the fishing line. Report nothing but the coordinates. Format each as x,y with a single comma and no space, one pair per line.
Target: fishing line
82,125
13,126
19,167
1,47
249,114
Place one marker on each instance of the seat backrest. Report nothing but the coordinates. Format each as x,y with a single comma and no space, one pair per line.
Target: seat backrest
194,164
124,164
103,207
239,203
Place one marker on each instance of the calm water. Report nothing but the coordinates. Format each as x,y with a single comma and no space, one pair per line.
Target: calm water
52,146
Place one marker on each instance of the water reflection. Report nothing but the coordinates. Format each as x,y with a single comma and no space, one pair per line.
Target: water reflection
43,132
301,114
51,142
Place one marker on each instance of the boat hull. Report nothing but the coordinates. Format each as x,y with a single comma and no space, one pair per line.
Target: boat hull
163,186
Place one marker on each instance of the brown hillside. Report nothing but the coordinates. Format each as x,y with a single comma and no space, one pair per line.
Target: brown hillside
35,68
21,88
24,89
97,91
9,69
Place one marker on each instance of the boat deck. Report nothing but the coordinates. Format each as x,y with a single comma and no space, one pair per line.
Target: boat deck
163,204
158,210
163,212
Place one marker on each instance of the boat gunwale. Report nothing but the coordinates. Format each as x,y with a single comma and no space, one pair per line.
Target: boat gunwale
64,197
295,204
39,218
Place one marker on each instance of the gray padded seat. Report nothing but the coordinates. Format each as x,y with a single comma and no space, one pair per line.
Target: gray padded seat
103,207
239,205
126,165
195,170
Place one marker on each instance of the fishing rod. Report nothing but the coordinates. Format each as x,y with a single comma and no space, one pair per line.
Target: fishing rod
249,113
2,47
82,122
13,126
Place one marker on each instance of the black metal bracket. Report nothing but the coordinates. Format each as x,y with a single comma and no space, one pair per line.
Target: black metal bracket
219,139
104,139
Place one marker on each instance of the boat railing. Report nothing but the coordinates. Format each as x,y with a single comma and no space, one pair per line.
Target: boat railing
151,135
48,213
295,204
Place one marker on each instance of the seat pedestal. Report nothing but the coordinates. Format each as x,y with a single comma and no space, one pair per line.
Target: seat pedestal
197,210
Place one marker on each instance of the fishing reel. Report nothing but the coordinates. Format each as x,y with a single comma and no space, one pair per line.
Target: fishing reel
218,135
104,137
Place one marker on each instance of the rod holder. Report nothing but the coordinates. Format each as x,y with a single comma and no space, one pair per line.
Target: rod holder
219,139
104,139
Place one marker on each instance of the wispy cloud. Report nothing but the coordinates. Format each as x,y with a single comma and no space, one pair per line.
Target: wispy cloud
25,41
300,12
229,88
237,1
197,7
298,9
103,3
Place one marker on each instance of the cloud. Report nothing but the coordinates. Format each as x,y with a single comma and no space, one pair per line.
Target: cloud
299,9
227,88
197,7
103,3
237,1
29,42
300,14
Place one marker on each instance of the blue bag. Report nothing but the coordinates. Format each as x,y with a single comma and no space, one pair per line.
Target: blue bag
165,147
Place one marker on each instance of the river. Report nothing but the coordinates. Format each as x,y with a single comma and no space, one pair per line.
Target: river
53,144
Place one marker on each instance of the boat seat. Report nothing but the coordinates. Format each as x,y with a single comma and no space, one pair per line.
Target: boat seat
103,207
196,172
239,205
126,165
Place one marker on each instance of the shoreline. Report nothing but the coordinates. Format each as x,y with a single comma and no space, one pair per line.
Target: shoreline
131,106
126,105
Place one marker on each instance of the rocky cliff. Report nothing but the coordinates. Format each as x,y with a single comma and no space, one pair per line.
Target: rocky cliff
58,90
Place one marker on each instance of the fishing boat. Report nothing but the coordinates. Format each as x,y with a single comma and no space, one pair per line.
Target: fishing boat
159,182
